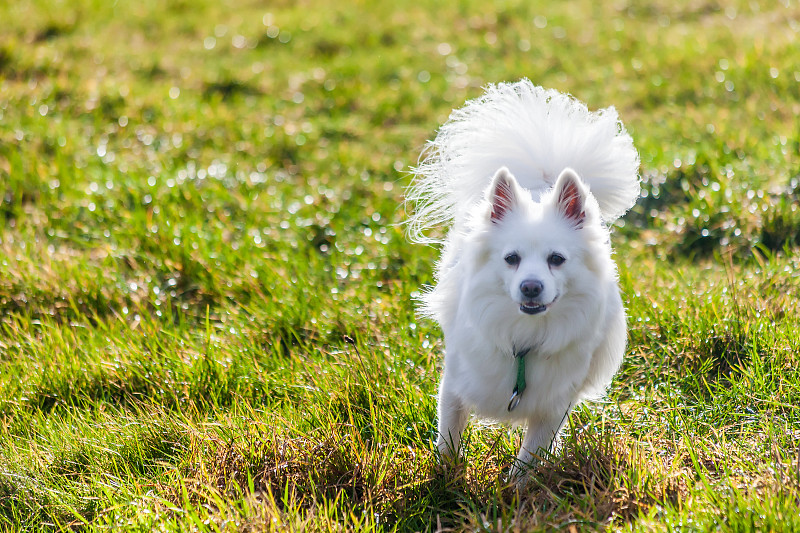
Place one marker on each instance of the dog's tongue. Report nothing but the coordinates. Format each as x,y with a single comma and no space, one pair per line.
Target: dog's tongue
532,309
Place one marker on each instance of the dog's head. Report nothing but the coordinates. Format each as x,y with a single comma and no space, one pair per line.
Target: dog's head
542,249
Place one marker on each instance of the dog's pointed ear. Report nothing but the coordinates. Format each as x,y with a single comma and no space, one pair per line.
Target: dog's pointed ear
502,194
571,197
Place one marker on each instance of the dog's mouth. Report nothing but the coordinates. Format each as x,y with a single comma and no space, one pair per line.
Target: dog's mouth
532,309
535,308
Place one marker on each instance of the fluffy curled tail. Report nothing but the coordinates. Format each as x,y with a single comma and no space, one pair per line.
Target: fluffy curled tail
535,133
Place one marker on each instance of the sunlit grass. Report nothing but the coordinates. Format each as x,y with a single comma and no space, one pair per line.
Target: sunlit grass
200,203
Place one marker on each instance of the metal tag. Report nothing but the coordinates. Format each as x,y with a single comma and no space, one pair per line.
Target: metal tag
514,401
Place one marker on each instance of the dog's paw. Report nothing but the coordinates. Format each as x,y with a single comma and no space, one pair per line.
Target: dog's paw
520,471
518,474
450,466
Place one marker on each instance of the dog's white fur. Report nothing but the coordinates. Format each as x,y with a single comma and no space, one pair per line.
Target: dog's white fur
525,176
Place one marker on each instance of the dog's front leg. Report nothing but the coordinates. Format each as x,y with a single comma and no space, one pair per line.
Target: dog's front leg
452,421
539,437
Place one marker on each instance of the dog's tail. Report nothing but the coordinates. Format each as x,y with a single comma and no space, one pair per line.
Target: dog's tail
535,133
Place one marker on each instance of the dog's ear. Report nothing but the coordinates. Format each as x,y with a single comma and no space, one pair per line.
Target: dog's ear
571,197
502,194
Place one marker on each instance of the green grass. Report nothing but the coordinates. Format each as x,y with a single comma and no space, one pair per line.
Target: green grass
200,202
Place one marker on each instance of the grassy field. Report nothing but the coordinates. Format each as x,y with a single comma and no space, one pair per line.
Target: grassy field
206,298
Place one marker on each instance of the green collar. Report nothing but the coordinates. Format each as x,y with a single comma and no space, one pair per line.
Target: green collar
520,386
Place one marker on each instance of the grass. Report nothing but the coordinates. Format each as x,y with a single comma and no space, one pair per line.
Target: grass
200,204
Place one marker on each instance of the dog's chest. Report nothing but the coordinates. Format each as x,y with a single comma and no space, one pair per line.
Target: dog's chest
485,378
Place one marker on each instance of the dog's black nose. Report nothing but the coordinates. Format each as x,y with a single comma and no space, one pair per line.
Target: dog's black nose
531,288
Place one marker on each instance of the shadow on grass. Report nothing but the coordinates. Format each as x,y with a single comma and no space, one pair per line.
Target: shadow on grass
594,482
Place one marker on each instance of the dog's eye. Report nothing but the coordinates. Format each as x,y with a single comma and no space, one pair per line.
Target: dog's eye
555,259
512,258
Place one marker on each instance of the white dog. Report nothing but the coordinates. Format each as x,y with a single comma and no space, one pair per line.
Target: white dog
526,290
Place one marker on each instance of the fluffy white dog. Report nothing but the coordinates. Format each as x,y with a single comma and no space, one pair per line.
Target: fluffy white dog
526,290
